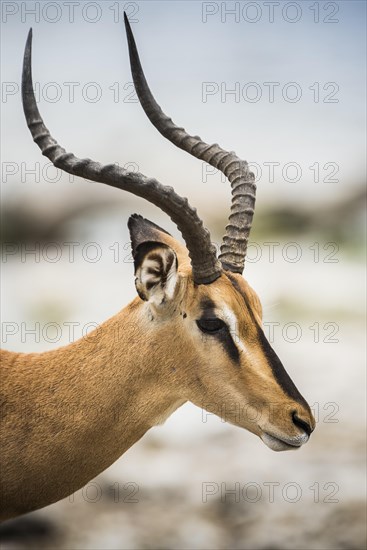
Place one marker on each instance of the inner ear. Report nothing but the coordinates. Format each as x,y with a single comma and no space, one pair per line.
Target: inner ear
155,272
143,250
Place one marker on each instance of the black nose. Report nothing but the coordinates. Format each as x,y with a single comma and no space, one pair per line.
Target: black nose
301,423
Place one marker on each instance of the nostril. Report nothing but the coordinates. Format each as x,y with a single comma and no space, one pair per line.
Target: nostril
301,423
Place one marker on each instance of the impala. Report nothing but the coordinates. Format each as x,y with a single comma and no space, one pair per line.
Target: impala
193,333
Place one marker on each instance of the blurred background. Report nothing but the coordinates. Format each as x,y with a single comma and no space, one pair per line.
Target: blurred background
282,84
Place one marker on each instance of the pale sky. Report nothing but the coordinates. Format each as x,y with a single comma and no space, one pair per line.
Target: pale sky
194,54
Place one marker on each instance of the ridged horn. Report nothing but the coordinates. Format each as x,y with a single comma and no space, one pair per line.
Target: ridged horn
234,245
206,267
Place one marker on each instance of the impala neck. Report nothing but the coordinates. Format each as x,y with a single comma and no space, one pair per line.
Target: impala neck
83,406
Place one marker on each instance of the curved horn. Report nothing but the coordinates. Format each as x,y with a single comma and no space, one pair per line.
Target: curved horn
205,265
234,245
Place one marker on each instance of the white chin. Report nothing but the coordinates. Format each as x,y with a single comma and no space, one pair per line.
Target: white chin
276,444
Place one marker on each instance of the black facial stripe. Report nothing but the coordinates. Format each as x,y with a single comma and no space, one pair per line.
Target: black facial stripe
280,374
223,336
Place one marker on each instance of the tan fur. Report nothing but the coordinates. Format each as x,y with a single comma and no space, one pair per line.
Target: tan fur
70,413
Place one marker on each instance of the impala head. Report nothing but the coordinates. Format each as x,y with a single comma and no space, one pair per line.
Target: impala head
221,358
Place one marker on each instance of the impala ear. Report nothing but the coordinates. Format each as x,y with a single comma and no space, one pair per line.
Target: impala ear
155,262
142,230
155,272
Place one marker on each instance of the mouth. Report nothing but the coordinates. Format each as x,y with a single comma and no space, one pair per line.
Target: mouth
276,443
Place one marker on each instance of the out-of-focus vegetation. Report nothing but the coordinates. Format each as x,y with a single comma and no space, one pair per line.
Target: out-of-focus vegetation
22,224
342,222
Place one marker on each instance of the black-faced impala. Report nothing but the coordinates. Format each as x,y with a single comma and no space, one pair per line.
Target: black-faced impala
193,333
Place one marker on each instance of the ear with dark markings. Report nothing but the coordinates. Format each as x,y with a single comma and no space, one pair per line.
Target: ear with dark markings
142,231
155,272
155,262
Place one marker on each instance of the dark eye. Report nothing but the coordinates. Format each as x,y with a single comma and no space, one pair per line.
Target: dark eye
211,325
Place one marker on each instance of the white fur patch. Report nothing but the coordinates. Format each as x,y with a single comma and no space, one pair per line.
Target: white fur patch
230,318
